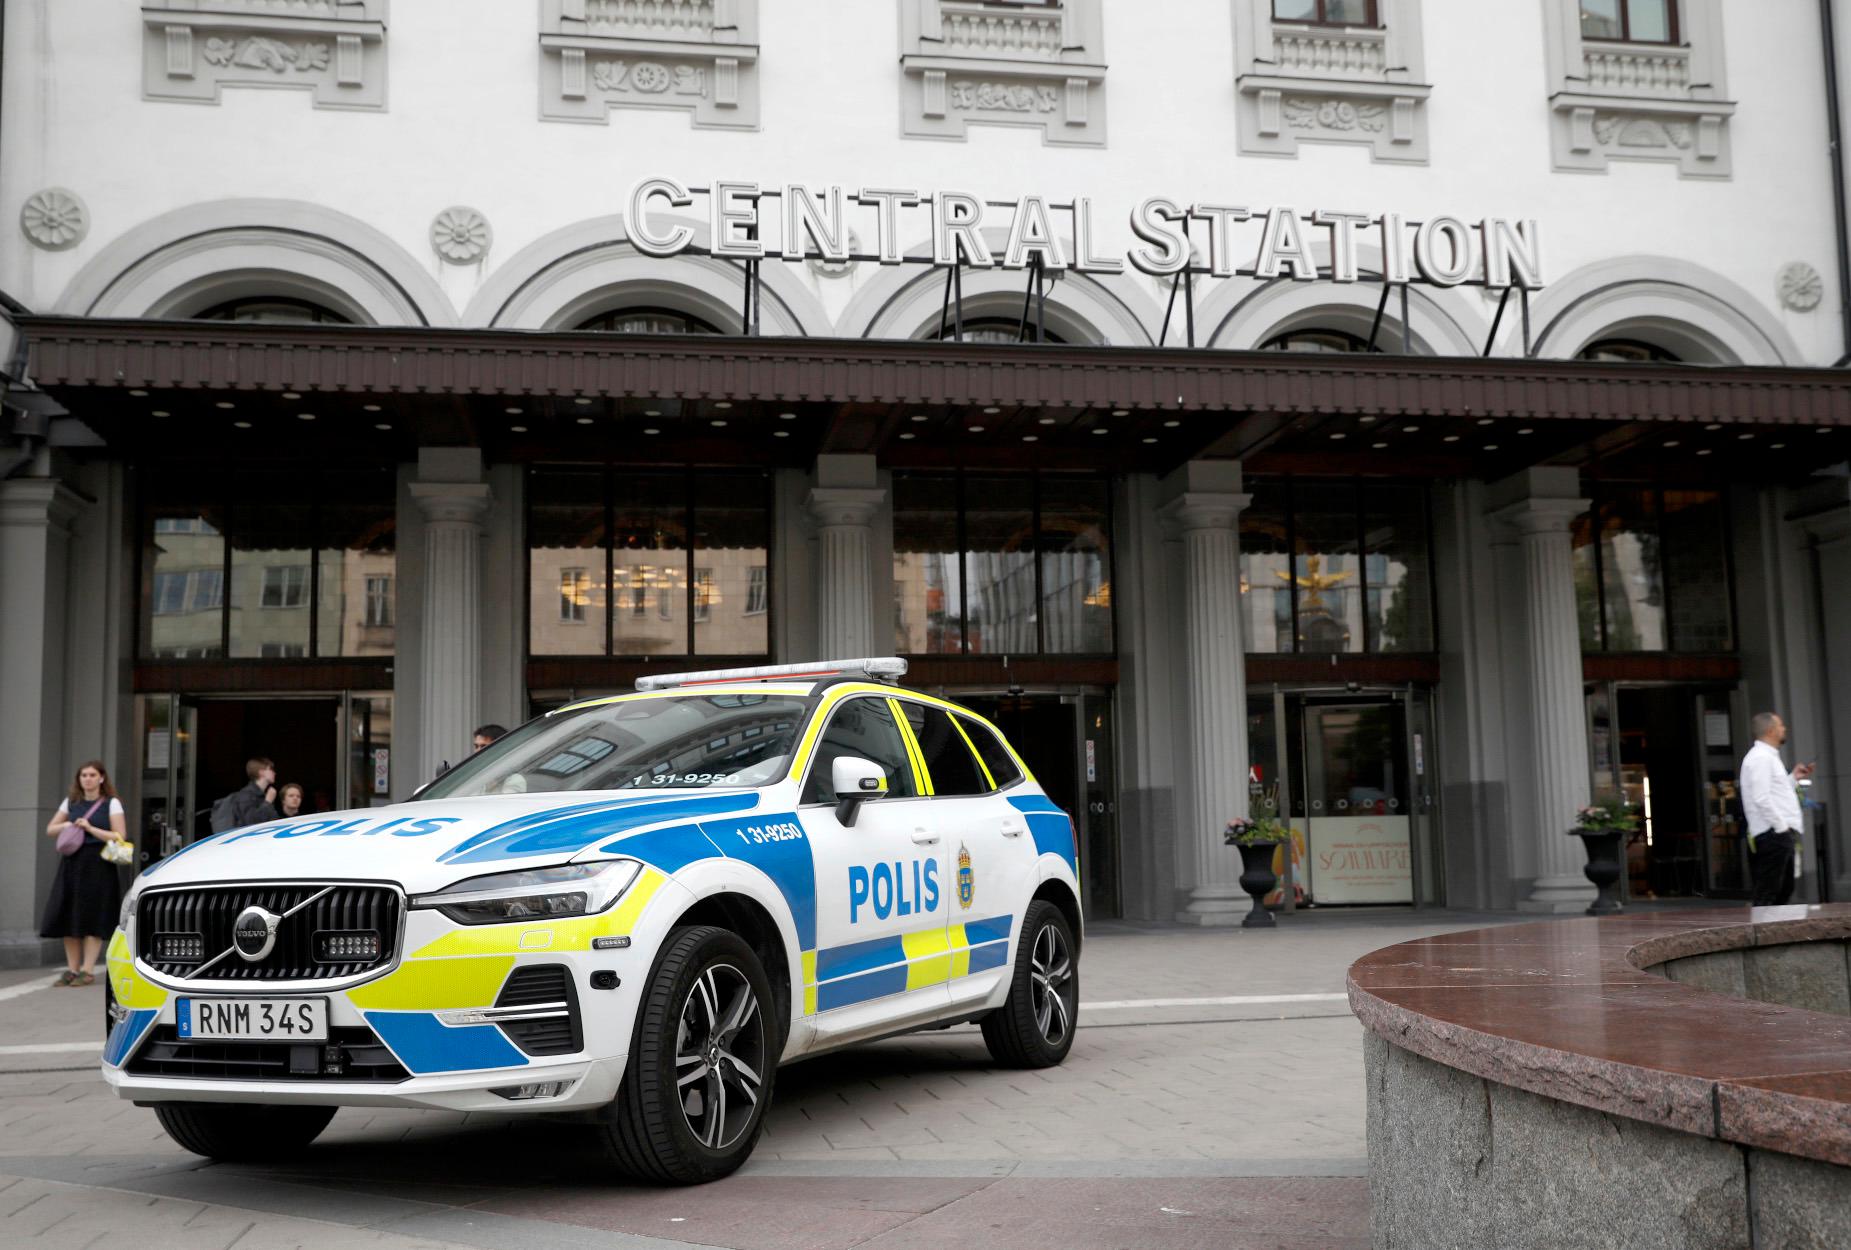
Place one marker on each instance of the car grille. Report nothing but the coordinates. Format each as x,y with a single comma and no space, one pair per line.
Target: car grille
349,1054
532,987
210,911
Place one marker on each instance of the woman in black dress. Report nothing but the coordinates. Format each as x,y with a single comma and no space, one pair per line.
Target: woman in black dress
86,895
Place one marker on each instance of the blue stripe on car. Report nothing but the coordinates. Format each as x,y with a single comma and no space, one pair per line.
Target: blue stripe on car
841,961
123,1037
764,842
992,955
992,929
574,831
859,989
424,1044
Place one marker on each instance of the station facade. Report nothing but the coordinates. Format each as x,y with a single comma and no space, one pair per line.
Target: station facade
1411,424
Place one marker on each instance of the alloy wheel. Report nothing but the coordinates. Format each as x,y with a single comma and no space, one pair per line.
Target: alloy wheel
1050,970
720,1056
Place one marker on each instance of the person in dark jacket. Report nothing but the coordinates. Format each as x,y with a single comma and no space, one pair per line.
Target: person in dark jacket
254,804
87,892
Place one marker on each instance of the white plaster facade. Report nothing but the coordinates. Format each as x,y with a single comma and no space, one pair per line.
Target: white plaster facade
175,192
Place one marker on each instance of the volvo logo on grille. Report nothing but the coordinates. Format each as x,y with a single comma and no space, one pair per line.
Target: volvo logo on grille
254,933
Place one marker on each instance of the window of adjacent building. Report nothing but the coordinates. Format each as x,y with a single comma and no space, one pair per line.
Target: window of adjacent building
646,321
277,310
260,564
1652,571
999,330
1335,341
991,564
1630,21
574,595
949,762
1326,12
1626,351
639,534
1336,567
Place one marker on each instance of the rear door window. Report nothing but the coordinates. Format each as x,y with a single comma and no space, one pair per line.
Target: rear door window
1003,769
949,761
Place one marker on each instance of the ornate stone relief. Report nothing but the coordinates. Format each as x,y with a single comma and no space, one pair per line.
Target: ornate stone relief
1800,287
1639,101
998,63
1331,84
461,235
54,219
336,49
698,56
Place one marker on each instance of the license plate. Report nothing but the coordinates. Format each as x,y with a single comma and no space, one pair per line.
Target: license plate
252,1019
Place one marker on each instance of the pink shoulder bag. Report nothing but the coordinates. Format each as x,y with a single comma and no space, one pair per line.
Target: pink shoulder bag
71,837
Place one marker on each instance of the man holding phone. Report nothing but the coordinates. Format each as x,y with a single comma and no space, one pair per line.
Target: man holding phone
1771,805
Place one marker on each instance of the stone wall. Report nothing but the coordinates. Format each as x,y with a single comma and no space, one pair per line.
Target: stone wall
1813,975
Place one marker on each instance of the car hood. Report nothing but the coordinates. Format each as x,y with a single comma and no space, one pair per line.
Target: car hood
429,845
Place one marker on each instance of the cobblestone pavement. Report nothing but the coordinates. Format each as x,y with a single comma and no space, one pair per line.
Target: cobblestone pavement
1213,1098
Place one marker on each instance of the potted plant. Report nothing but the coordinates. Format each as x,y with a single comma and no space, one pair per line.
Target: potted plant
1602,828
1257,837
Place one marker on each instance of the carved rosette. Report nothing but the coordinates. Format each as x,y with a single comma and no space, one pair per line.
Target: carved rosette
1301,82
1800,287
461,235
335,49
54,219
696,56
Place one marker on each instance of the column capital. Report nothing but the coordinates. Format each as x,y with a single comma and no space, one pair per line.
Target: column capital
452,501
1205,510
40,501
844,505
1546,515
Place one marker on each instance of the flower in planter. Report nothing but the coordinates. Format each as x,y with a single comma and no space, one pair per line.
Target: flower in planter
1609,816
1252,831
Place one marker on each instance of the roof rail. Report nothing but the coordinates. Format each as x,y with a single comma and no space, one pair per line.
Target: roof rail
888,669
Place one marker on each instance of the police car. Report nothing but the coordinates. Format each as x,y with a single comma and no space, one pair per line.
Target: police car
636,907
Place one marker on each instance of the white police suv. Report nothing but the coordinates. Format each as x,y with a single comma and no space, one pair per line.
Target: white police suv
636,906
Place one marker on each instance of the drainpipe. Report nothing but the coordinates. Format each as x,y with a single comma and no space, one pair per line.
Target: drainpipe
1835,129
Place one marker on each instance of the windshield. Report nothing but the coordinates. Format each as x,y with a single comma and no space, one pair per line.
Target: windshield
641,744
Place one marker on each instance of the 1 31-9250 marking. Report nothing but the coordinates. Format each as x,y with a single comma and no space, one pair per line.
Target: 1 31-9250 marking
783,831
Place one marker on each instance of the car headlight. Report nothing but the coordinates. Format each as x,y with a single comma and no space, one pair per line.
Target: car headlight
534,893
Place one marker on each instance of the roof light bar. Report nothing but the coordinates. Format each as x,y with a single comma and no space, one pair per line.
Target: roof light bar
880,668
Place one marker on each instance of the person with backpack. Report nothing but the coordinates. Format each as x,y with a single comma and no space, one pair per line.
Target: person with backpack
86,895
252,805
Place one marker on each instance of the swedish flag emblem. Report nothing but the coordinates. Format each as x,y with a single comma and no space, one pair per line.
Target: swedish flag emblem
967,881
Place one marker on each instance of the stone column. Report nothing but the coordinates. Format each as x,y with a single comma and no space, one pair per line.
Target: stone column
1215,678
843,504
36,519
1551,679
450,669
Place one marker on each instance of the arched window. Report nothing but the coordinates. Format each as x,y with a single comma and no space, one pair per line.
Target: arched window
646,321
1628,352
1317,341
274,310
997,330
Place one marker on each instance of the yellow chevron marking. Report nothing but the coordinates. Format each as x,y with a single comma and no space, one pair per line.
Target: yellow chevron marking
928,972
957,723
926,942
435,985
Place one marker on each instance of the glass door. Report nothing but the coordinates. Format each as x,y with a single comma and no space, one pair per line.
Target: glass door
1354,794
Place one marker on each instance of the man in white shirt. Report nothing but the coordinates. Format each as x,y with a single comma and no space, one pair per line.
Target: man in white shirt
1771,806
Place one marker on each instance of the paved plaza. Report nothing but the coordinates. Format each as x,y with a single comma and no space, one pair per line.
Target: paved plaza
1214,1098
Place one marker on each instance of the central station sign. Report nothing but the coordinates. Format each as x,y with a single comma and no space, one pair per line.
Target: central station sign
813,223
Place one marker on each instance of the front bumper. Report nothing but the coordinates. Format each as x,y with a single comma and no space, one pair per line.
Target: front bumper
411,1010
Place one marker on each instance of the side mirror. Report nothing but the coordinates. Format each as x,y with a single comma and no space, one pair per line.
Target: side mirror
855,781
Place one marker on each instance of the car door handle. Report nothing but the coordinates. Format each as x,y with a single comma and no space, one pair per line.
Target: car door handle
924,836
1011,829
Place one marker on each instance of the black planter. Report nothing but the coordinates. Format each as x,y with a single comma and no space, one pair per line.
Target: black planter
1258,879
1603,868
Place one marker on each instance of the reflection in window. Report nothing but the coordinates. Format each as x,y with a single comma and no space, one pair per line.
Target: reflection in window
1631,21
861,729
358,569
183,595
994,564
998,330
271,547
1326,12
285,586
1340,567
1652,571
647,529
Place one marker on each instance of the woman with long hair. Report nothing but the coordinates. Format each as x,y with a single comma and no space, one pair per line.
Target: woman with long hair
86,895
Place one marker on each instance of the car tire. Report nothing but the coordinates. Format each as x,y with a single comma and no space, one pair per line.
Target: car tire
688,1116
236,1132
1034,1026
